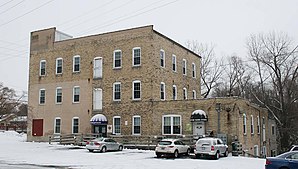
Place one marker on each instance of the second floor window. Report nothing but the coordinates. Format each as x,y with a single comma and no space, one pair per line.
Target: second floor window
174,92
162,91
184,93
42,69
244,124
59,95
136,54
184,67
258,125
42,96
174,63
97,68
76,63
117,58
194,70
194,94
252,125
76,94
162,58
136,90
117,91
59,63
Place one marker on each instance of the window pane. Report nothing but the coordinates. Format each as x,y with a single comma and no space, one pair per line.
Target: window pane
76,97
59,66
57,125
59,96
75,125
117,91
137,90
167,121
42,96
77,64
42,68
117,125
137,57
162,58
117,59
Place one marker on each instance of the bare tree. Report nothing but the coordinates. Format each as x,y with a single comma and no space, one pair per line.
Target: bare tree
211,68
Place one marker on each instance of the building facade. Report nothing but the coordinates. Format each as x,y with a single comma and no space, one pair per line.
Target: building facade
131,82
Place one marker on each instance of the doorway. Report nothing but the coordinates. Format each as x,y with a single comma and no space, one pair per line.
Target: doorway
198,128
101,130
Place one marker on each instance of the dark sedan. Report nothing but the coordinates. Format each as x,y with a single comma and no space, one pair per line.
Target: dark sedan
288,160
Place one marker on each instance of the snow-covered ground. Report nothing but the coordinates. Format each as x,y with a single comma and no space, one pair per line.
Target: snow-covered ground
15,152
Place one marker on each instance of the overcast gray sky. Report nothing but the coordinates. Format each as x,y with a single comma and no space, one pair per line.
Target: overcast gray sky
225,23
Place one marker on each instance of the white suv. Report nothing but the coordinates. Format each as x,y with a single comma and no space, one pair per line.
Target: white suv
174,147
213,147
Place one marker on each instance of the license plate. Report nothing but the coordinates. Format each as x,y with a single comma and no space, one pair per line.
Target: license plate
203,148
162,148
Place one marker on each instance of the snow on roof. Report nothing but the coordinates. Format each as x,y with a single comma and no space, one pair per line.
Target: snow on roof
200,112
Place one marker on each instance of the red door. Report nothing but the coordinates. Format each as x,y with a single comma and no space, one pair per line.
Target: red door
37,127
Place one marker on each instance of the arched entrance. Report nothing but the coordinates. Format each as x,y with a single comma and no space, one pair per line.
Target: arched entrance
198,119
99,125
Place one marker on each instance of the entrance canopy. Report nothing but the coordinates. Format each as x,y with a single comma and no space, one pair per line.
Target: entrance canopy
99,119
198,115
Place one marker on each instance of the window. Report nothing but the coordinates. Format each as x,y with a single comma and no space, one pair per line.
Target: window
136,93
184,67
58,95
171,124
42,96
264,129
162,58
162,91
256,150
97,68
117,91
117,125
273,129
75,125
194,94
57,125
136,121
59,64
174,92
184,93
193,70
97,99
76,94
174,68
244,124
136,56
252,124
42,68
258,125
117,59
76,63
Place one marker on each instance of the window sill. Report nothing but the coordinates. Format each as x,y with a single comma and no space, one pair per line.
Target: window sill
75,102
97,78
136,66
76,72
117,68
136,100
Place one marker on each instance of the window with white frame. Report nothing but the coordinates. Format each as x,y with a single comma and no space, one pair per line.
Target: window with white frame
171,124
194,70
42,96
162,58
174,92
117,125
97,68
97,99
75,125
117,91
272,129
136,121
184,93
174,63
184,67
264,129
256,150
57,125
58,95
136,90
42,68
162,91
136,56
244,124
117,59
194,94
76,63
251,124
59,66
258,125
76,94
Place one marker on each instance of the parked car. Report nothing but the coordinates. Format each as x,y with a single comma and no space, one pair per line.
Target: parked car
103,145
288,160
172,147
213,147
294,148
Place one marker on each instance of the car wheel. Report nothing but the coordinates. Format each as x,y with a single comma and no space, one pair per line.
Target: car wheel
90,150
158,155
120,148
187,152
103,149
176,154
226,153
216,156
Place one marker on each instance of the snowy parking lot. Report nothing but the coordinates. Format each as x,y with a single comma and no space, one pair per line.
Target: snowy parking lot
15,152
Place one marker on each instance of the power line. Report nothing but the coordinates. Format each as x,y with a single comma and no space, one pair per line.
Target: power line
12,7
26,13
6,3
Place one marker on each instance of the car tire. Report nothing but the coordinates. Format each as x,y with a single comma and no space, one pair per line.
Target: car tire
187,152
216,156
176,154
103,149
226,153
158,155
90,150
120,148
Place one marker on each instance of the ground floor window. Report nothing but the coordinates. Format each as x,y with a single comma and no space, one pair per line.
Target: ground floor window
136,121
171,124
57,125
117,125
75,125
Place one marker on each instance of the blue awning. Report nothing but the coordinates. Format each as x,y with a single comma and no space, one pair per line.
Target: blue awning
99,119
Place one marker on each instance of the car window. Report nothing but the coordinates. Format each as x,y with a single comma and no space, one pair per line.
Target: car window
182,143
204,142
165,143
177,143
107,140
219,141
295,149
214,142
294,156
111,140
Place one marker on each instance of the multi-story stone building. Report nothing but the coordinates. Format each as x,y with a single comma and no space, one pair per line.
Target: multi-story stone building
132,82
